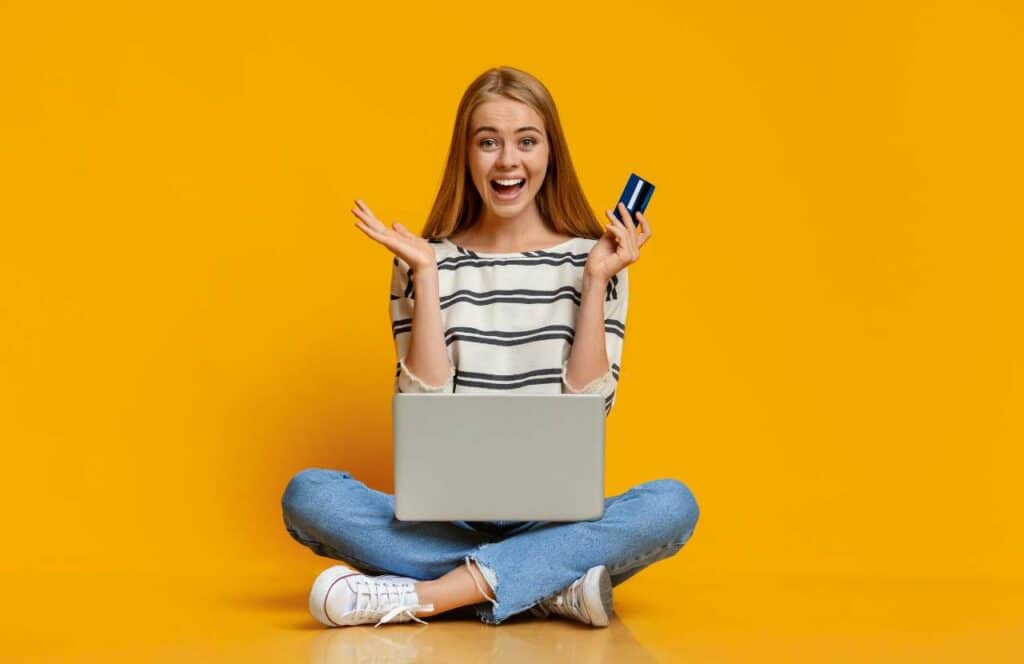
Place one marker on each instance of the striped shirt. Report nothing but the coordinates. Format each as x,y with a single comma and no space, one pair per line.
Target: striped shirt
509,319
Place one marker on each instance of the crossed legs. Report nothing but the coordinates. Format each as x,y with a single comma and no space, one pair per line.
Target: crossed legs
337,516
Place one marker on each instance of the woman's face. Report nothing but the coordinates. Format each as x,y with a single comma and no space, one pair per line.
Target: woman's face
507,141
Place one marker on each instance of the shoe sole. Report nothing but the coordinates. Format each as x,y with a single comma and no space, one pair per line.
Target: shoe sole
599,608
322,587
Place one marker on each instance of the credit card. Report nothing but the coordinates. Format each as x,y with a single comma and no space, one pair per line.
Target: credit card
635,197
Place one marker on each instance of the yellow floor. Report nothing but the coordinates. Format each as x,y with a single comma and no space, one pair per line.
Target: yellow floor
167,617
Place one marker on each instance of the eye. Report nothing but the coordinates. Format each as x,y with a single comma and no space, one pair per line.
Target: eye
532,141
484,142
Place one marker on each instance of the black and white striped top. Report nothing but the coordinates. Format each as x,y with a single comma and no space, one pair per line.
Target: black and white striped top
509,319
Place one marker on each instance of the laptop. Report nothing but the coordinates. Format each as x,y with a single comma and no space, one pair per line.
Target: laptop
498,457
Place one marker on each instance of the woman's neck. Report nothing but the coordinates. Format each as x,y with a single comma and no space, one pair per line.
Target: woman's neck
502,234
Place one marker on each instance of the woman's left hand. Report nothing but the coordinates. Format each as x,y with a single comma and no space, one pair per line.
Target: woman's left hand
618,247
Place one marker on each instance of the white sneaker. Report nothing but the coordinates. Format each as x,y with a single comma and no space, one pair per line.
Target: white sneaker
342,597
588,599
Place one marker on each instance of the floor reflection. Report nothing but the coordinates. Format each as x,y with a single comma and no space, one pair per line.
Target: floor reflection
539,641
175,617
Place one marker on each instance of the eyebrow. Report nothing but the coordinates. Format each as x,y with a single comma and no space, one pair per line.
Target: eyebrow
527,128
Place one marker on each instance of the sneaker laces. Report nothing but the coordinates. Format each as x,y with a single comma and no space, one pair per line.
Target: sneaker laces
539,611
386,600
569,602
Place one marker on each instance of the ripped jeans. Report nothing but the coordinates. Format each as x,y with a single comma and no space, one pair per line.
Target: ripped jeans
524,562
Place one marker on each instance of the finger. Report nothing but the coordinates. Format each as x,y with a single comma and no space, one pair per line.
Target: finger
628,225
374,223
645,225
365,224
615,223
621,235
618,232
627,218
402,230
379,234
645,228
622,241
366,213
361,225
615,219
623,214
636,234
627,237
362,214
384,238
627,222
366,208
366,228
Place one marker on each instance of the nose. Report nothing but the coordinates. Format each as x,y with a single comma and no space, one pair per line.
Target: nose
508,156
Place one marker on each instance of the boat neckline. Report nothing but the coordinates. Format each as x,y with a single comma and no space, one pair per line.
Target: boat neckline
511,253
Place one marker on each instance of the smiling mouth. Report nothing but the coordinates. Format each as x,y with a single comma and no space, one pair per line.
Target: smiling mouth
508,189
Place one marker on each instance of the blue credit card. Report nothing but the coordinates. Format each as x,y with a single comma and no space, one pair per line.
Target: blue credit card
635,197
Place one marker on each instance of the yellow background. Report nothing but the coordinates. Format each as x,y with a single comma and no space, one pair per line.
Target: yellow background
824,334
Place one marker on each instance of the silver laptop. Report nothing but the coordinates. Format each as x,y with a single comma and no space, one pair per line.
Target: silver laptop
497,457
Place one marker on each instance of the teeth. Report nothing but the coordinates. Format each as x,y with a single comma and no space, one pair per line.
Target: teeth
508,183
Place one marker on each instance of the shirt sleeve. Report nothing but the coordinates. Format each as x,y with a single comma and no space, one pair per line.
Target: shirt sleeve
616,299
402,303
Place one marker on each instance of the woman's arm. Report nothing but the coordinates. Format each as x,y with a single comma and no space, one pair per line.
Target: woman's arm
427,362
596,355
416,327
601,322
588,359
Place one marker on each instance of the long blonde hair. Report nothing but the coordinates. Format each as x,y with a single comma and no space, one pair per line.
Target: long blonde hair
561,200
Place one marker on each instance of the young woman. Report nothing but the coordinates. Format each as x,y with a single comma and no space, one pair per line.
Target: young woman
513,285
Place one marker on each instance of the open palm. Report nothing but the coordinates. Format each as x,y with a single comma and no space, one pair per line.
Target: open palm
399,240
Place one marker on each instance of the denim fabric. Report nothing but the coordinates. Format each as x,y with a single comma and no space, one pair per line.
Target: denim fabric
339,517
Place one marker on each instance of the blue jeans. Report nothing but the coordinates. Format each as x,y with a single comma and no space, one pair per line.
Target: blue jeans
525,562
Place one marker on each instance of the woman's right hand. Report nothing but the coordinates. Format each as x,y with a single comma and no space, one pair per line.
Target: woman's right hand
408,246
